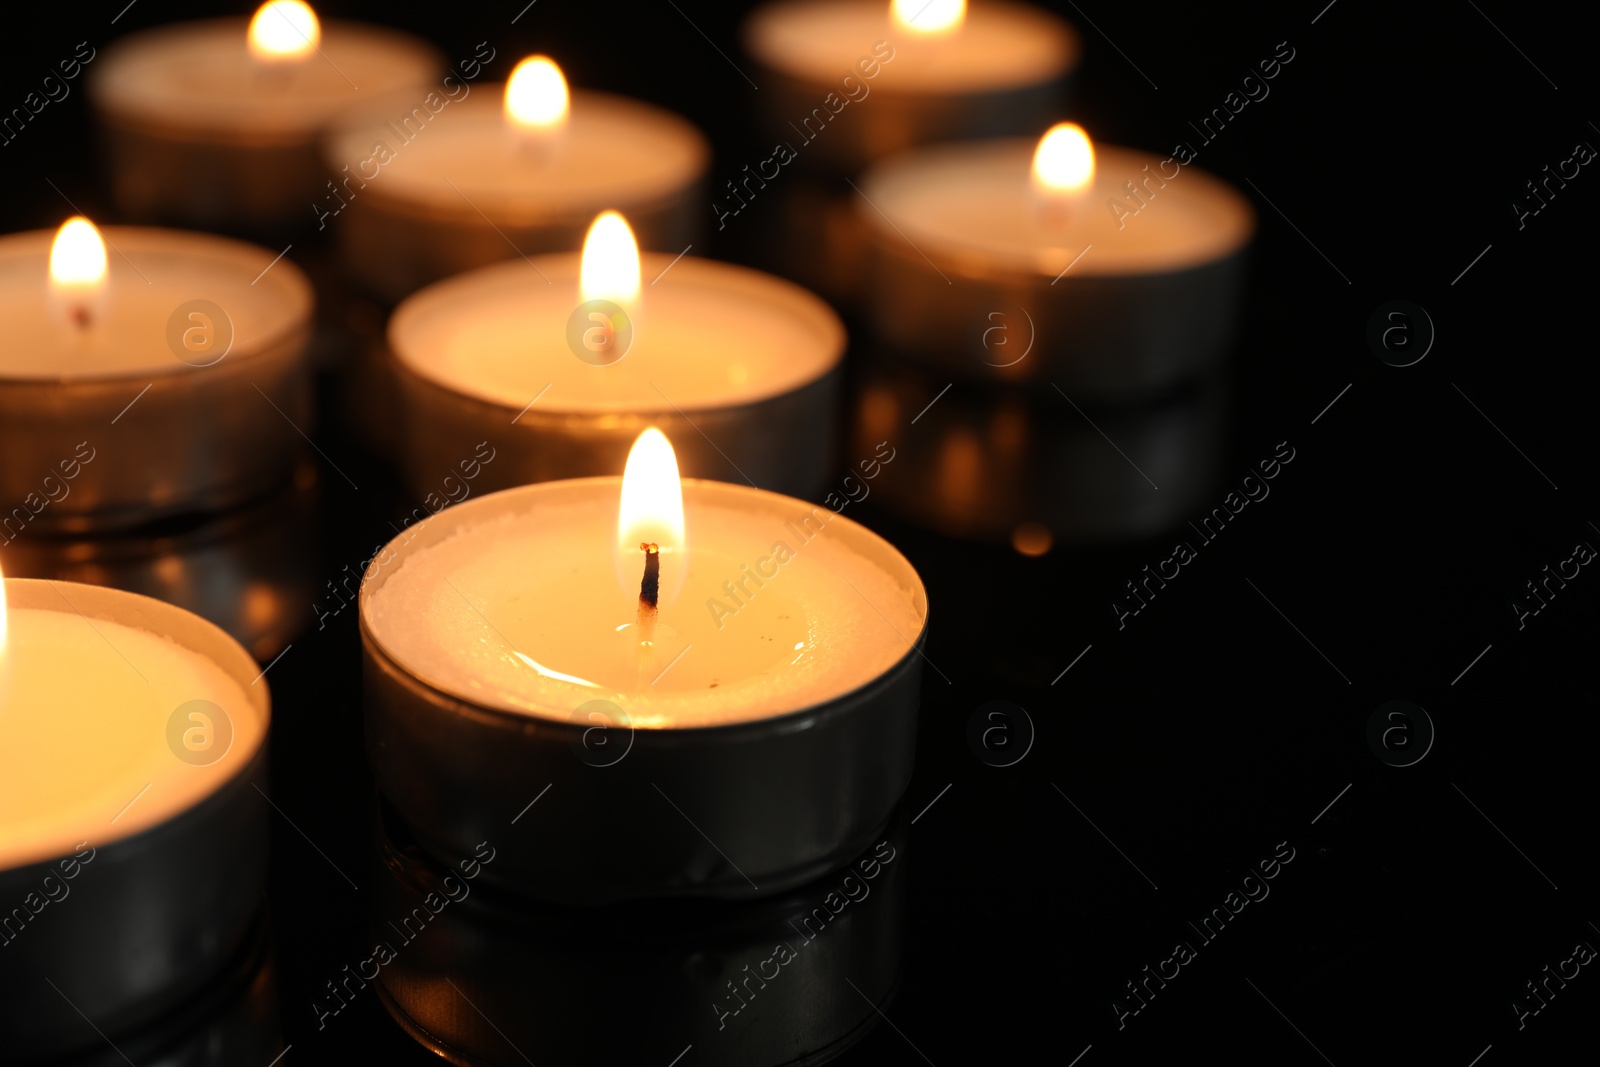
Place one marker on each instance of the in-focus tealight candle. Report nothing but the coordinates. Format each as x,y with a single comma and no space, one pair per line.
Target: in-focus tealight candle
780,646
132,846
141,372
1115,270
561,360
510,171
216,122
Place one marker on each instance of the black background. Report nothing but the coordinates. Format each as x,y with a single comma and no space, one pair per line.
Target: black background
1208,730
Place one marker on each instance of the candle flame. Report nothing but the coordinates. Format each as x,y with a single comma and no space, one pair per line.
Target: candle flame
651,511
78,255
536,95
1064,161
610,269
929,17
284,30
3,622
78,273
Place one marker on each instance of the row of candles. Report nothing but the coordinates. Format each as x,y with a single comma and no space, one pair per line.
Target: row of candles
725,639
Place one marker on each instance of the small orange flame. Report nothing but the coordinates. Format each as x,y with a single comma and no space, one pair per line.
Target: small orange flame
929,17
652,498
536,95
1063,164
610,268
284,30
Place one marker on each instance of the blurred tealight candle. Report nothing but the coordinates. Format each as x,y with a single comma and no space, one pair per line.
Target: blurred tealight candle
216,123
509,171
1113,271
884,77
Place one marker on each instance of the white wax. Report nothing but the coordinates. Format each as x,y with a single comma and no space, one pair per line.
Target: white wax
999,46
614,152
84,711
972,206
200,76
707,335
150,274
532,571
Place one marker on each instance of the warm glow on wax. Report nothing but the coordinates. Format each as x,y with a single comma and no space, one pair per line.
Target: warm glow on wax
284,30
610,268
929,16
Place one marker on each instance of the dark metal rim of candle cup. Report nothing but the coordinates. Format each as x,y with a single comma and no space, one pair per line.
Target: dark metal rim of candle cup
1111,336
784,798
678,956
782,443
163,443
176,128
150,918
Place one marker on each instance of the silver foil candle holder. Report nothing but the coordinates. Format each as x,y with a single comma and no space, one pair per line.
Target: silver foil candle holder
684,792
185,389
127,913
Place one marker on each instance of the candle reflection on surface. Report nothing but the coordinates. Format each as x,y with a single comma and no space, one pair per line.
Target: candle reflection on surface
748,984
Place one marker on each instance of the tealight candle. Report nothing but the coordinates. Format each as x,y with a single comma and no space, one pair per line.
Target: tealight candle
509,171
132,735
847,82
165,376
1108,270
903,74
743,657
216,123
559,361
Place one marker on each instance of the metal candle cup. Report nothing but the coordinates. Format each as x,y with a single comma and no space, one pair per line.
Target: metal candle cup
189,395
151,915
670,792
475,355
1117,301
200,132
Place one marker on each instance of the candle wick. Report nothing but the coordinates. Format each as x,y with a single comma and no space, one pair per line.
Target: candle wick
79,314
649,590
